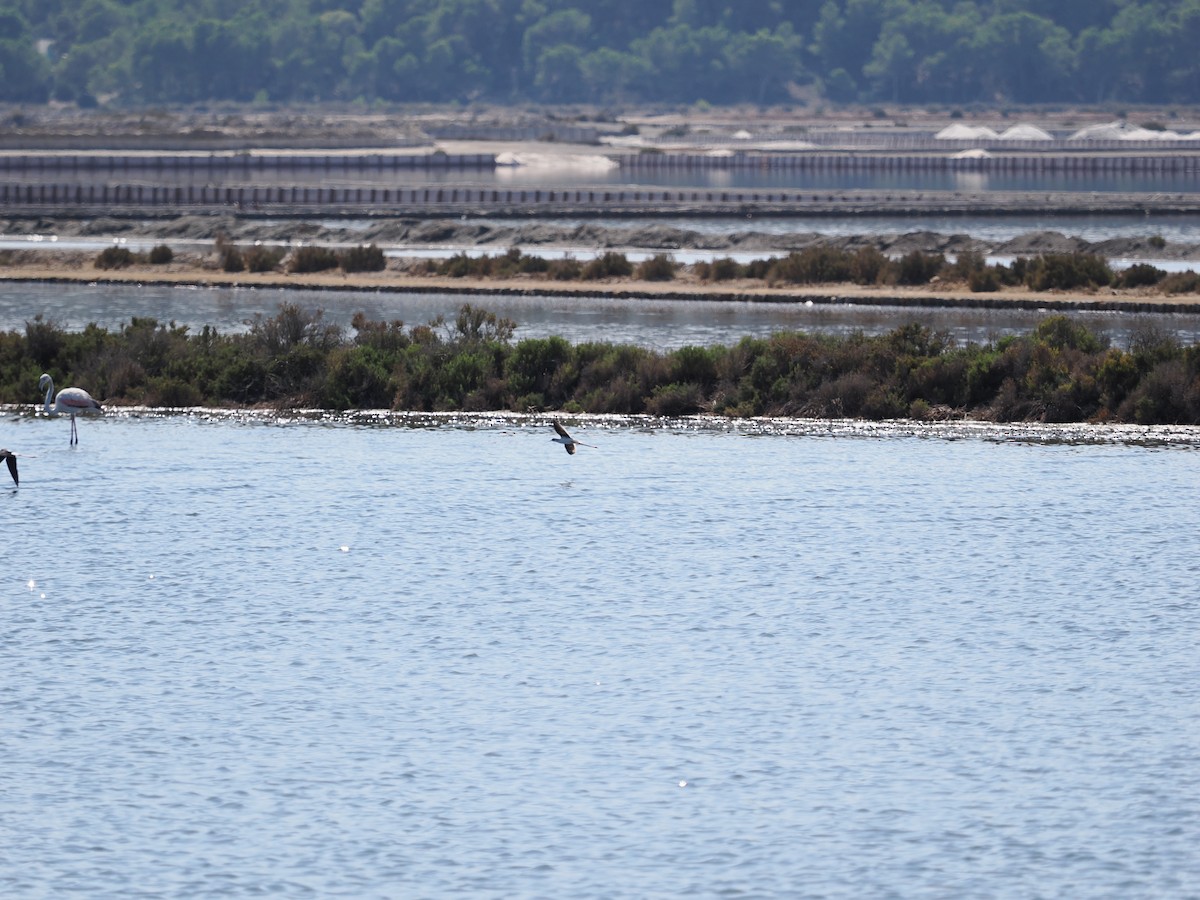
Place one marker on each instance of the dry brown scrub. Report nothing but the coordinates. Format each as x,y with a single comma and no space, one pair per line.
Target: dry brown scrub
404,276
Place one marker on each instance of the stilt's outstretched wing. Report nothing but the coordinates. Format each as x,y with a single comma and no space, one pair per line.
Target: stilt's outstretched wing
11,459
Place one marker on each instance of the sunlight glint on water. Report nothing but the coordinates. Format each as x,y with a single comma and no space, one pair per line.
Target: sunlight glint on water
330,660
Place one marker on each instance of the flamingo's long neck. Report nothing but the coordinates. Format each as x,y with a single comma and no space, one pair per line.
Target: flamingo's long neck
49,394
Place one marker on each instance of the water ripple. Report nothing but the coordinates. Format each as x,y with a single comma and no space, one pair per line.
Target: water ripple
381,655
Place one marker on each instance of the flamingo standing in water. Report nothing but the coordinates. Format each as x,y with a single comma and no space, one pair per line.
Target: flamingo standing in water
11,458
566,440
71,401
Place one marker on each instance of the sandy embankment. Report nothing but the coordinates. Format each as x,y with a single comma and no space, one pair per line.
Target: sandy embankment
196,259
63,268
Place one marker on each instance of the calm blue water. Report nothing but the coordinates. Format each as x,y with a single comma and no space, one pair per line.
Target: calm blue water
661,324
352,658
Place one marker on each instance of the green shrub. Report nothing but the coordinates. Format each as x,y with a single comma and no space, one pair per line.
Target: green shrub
513,262
43,341
386,337
757,268
966,264
869,266
1064,271
533,264
172,392
675,400
475,325
232,259
812,265
565,270
723,269
534,363
313,259
260,258
920,410
1139,275
114,257
508,263
1180,283
919,268
1062,332
457,266
363,259
697,365
160,255
659,267
357,377
1150,345
984,280
1165,395
1116,375
608,265
1014,273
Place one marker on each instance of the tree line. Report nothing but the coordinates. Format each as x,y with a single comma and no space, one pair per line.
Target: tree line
599,51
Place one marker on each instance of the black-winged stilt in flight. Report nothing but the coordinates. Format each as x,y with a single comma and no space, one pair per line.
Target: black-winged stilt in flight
11,458
566,440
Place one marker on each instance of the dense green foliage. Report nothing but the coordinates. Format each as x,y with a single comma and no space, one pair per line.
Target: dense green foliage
1058,373
600,51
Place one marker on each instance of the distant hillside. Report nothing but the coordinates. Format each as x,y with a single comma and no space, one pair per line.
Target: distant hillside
599,51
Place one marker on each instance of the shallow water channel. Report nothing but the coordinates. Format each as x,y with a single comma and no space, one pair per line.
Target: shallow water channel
662,324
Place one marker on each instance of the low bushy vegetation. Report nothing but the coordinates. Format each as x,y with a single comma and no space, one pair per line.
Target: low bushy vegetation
867,266
1180,283
231,259
507,265
659,267
255,258
1059,372
313,259
261,258
810,266
362,259
607,265
114,257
